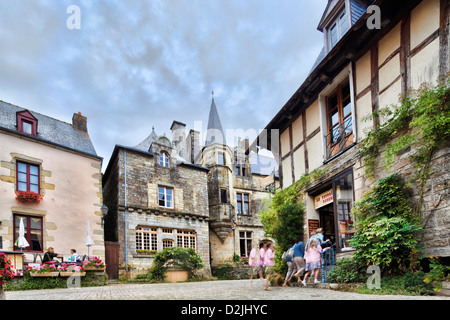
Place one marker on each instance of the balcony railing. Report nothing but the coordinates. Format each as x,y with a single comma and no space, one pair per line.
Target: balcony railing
339,138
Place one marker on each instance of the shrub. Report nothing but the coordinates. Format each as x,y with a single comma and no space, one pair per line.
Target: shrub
386,230
347,270
183,258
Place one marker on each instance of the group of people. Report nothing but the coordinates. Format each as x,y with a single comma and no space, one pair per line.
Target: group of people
301,260
50,255
262,261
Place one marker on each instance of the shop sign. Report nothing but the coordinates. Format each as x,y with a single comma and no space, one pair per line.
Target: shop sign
323,199
313,225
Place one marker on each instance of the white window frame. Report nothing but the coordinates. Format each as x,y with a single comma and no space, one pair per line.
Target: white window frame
345,10
165,193
142,243
164,159
346,72
187,239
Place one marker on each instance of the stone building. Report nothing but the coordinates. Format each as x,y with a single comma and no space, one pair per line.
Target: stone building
155,201
57,161
237,182
359,71
180,192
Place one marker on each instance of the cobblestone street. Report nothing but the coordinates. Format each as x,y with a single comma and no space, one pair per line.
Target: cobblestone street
214,290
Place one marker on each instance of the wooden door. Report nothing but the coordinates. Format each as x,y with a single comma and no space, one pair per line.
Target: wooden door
112,259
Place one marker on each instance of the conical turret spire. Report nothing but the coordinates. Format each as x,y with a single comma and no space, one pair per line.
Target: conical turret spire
214,132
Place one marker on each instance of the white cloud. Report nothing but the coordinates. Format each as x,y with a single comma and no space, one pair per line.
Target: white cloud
136,64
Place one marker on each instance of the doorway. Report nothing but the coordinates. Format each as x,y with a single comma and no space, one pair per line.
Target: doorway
326,214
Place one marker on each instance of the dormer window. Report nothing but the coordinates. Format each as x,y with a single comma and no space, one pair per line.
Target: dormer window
27,123
337,29
164,159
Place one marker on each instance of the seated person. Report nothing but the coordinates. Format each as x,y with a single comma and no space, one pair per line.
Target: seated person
74,256
50,255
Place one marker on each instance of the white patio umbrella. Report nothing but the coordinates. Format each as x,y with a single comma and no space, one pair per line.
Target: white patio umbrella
89,241
21,241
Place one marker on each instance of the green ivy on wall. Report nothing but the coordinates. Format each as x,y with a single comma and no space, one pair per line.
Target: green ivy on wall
421,121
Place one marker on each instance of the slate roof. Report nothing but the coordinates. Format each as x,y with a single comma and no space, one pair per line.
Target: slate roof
214,132
145,145
49,130
357,10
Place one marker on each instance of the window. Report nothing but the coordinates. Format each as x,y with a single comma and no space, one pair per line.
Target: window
337,29
33,232
240,169
146,238
27,177
223,196
165,197
167,243
27,123
222,158
343,193
186,239
339,119
245,243
243,204
164,159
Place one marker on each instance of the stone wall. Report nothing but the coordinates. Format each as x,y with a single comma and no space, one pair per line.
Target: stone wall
144,175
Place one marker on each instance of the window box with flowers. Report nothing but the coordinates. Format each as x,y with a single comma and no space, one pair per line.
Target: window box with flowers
48,269
70,269
94,264
28,197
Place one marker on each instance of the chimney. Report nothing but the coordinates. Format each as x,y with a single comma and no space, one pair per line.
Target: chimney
178,136
79,122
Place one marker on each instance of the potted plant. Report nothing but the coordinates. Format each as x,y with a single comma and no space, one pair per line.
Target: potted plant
70,269
28,197
94,264
6,273
48,269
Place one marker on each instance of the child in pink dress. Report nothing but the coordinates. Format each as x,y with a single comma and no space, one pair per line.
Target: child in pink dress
268,263
313,258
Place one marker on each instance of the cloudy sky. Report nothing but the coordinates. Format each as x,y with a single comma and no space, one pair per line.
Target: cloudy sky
140,63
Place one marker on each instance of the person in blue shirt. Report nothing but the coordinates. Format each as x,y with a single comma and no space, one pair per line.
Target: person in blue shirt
298,259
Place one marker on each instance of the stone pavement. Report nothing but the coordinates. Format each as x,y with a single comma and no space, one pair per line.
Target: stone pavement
211,290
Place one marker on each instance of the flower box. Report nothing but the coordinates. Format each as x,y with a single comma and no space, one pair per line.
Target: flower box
69,274
94,264
45,274
94,268
175,275
28,197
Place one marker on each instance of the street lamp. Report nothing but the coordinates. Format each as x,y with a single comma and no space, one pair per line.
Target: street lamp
104,211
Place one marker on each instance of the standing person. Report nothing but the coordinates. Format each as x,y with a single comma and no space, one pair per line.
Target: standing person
292,268
312,257
269,263
299,260
253,261
319,237
262,255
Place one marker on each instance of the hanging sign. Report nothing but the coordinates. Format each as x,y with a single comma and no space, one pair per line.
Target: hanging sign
313,225
323,199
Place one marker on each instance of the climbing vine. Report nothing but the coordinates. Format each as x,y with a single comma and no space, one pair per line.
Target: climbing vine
424,117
